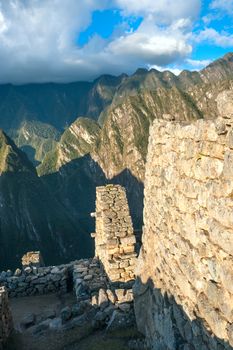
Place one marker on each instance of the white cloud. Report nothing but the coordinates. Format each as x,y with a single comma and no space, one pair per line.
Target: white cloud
175,71
37,38
165,11
211,36
197,64
192,65
160,47
224,5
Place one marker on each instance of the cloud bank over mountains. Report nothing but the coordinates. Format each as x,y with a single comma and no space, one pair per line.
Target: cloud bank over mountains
39,38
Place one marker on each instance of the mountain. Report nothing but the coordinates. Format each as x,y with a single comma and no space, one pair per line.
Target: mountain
148,95
124,135
122,140
36,139
35,115
30,216
86,134
75,142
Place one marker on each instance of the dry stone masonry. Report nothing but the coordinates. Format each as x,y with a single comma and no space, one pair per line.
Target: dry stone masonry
114,237
6,323
110,302
184,290
33,280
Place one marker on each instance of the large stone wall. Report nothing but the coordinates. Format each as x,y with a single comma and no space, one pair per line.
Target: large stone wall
114,236
184,290
6,322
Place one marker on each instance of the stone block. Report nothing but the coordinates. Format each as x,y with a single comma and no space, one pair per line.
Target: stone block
32,259
129,249
129,240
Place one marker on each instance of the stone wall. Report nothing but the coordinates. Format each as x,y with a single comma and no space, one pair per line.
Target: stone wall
6,323
32,280
110,300
184,290
114,237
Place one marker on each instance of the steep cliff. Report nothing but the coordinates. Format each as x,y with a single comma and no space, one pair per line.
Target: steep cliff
36,139
123,139
75,142
145,96
30,216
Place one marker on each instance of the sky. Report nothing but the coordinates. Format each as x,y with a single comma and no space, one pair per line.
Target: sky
70,40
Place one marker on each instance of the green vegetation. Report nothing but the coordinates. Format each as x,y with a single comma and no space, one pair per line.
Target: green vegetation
11,158
37,136
75,142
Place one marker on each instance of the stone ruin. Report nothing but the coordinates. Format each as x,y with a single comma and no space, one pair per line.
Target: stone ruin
6,322
114,237
30,281
36,279
102,285
108,304
183,294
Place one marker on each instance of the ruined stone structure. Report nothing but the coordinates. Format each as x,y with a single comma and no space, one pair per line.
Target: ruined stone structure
33,281
111,300
6,323
184,291
114,237
183,295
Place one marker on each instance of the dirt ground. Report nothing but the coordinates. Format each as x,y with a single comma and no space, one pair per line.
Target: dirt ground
40,305
78,338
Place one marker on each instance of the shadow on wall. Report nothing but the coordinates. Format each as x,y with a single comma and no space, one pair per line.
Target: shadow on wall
166,325
74,185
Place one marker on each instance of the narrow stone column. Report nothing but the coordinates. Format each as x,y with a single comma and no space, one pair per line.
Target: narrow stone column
114,237
6,321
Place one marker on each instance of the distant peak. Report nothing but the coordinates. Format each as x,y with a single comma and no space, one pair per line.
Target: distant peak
12,159
105,78
228,56
168,73
141,71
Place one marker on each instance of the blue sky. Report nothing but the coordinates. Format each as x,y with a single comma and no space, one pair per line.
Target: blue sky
61,41
218,16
